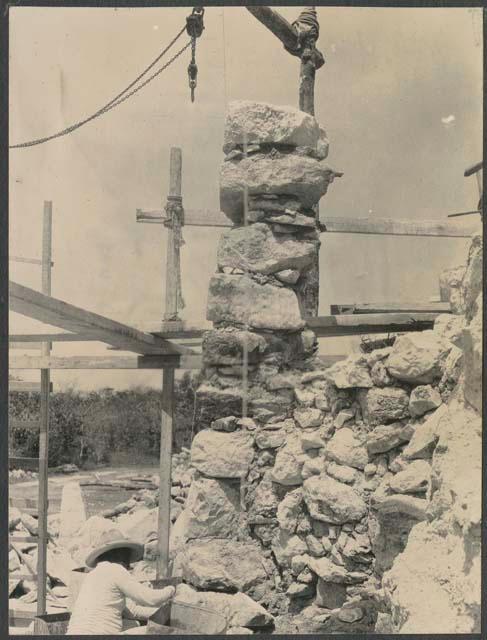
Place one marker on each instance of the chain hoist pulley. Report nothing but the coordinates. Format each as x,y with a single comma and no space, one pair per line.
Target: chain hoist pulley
194,27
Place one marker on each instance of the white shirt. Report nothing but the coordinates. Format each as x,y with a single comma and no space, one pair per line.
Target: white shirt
106,592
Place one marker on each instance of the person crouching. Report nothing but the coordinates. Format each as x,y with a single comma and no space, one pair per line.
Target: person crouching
109,592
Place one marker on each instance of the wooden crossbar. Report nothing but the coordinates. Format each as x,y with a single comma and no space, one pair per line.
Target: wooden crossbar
71,318
25,340
355,325
390,307
107,362
329,224
22,385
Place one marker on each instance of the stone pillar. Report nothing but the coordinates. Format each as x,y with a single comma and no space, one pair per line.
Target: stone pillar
267,272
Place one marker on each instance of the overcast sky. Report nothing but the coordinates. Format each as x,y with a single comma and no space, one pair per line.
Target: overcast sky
400,96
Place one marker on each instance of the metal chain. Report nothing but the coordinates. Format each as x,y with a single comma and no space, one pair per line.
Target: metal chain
118,99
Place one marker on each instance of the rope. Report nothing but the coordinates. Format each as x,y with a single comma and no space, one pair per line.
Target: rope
117,100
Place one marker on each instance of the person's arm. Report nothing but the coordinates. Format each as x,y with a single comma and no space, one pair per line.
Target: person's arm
136,611
140,593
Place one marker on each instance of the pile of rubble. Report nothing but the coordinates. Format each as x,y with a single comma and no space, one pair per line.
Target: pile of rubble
20,475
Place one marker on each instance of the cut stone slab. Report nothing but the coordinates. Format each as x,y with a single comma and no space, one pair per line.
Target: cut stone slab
415,478
384,405
345,448
423,398
222,565
331,501
217,454
287,174
255,248
225,347
350,373
242,301
418,357
264,123
385,437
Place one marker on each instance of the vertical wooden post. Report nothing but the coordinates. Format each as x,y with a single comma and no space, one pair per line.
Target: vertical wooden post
171,310
175,179
307,86
44,423
164,521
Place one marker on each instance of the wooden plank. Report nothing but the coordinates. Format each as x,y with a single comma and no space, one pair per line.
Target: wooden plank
390,307
165,457
355,325
16,423
392,227
330,224
25,339
71,318
107,362
21,503
26,260
172,262
26,346
278,25
22,385
28,464
32,539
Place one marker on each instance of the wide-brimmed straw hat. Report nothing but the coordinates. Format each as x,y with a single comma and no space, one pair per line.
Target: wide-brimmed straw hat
114,539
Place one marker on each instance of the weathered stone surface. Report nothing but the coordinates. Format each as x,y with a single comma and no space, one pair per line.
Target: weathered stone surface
240,300
264,123
415,478
222,455
379,375
213,401
281,381
387,436
449,326
247,613
73,512
308,418
304,398
472,280
418,357
312,439
345,474
350,373
423,398
230,423
286,546
384,405
291,174
289,462
290,511
328,571
331,501
288,276
265,499
425,436
343,416
345,448
213,508
451,288
255,248
400,504
472,345
330,595
222,565
270,439
225,347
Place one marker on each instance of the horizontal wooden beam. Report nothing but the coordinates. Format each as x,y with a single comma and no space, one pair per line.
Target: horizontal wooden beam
50,310
390,307
330,224
277,25
355,325
27,260
32,539
107,362
393,227
21,340
25,386
27,464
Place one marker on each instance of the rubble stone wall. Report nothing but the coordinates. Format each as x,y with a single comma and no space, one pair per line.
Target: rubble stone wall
348,498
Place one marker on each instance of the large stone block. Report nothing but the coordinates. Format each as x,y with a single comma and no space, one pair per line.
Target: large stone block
225,347
255,248
240,300
289,462
384,405
418,357
284,174
222,455
213,402
345,448
350,373
331,501
264,123
221,565
415,478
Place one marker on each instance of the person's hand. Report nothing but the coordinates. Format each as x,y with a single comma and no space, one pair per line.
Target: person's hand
168,594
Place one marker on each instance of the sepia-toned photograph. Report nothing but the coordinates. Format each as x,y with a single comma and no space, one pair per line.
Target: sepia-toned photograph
244,320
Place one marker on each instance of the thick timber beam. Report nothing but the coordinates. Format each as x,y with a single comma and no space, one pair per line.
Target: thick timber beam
390,307
355,325
278,25
52,311
106,362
